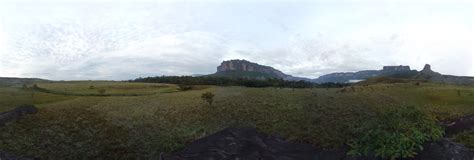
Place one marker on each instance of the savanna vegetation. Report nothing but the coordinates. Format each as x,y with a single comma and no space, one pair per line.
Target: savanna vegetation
237,81
144,120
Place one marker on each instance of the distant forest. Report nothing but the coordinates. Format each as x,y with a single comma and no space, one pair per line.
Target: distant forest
247,82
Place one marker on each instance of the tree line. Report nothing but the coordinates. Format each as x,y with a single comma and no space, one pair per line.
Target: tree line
247,82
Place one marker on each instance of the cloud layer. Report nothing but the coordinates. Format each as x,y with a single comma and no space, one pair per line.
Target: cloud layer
120,41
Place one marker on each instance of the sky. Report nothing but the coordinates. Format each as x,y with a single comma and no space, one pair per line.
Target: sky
125,39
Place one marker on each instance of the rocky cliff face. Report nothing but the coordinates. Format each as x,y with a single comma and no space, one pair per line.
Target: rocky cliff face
244,68
433,76
344,77
396,68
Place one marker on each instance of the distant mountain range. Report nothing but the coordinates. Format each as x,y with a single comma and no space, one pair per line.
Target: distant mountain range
433,76
247,69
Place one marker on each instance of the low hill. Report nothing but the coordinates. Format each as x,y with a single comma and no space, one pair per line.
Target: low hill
13,81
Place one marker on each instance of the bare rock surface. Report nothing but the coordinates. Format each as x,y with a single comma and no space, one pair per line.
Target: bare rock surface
460,125
15,114
247,143
445,149
6,156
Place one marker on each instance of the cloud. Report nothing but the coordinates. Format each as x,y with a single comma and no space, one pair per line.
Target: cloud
116,41
176,54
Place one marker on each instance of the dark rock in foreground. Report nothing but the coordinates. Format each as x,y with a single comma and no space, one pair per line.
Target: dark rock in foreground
460,125
6,156
15,114
445,149
247,143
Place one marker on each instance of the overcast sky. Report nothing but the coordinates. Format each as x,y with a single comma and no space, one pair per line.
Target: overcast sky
119,40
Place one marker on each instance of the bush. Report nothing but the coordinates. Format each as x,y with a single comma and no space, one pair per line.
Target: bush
397,133
208,97
101,91
184,87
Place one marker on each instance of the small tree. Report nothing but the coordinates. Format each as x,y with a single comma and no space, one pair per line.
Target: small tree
91,87
208,97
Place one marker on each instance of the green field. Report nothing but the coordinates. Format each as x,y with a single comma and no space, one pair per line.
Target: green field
145,119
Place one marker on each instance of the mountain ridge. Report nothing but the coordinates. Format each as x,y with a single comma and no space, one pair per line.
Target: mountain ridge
245,69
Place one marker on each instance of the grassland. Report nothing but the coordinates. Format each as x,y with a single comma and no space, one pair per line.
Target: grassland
144,120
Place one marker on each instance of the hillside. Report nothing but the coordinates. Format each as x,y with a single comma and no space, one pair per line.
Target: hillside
13,81
389,71
247,69
428,74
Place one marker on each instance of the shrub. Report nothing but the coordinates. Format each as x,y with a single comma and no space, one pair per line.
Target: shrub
396,133
101,91
208,97
184,87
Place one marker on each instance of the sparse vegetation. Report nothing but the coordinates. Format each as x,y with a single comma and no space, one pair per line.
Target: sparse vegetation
150,118
466,138
397,133
101,91
208,97
184,87
247,82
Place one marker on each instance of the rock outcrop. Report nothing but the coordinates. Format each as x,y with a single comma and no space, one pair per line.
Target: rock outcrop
445,149
7,156
246,66
10,116
15,114
247,69
396,68
462,124
247,143
403,72
428,74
